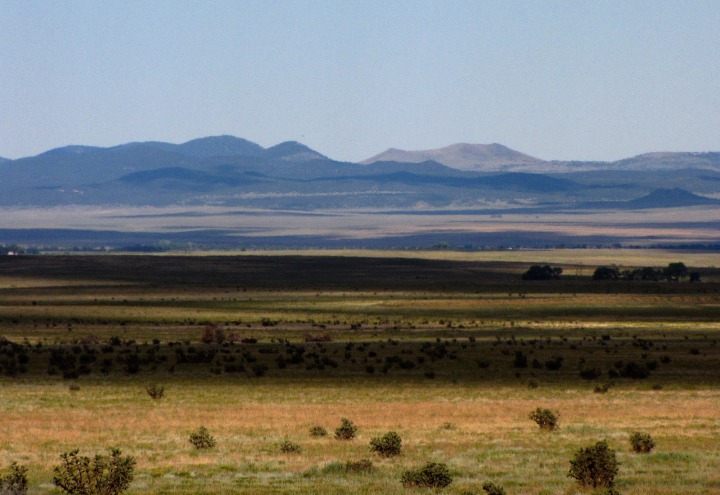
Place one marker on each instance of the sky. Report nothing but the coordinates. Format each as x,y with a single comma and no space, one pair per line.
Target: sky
569,80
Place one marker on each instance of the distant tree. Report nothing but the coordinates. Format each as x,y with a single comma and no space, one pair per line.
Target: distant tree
606,273
545,272
675,271
647,274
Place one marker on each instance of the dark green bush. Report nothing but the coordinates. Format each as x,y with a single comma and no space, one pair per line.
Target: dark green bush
346,431
318,431
590,373
202,439
545,418
432,475
288,447
102,475
642,443
388,445
595,466
15,482
493,489
155,391
602,389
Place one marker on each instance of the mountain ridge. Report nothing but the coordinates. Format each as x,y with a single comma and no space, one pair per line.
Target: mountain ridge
462,156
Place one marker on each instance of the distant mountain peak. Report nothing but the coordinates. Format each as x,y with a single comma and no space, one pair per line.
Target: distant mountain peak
294,152
462,156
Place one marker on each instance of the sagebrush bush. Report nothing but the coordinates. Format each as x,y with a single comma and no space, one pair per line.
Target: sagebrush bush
493,489
288,447
545,418
642,443
318,431
102,475
595,466
155,391
15,482
388,445
346,430
432,475
202,439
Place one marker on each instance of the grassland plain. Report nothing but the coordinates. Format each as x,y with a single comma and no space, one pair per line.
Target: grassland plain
453,355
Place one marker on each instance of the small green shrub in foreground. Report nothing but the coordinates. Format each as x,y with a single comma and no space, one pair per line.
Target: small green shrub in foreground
155,391
102,475
493,489
388,445
346,431
545,418
202,439
432,475
318,431
288,447
15,482
595,466
642,443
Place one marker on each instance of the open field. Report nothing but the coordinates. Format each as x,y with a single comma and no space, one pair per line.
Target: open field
453,355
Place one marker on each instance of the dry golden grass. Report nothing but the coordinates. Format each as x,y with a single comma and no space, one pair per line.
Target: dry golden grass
481,432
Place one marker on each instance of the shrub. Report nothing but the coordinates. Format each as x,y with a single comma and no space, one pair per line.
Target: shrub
388,445
155,391
590,373
202,439
493,489
544,272
15,482
288,447
635,370
545,418
432,475
602,389
346,431
594,466
102,475
318,431
642,443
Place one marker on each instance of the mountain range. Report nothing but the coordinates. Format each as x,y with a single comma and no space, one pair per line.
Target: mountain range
227,170
182,186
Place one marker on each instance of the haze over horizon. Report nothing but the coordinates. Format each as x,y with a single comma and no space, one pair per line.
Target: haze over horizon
555,80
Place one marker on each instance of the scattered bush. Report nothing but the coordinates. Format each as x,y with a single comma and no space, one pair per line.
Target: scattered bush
155,391
288,447
602,389
545,418
594,466
15,482
432,475
388,445
642,443
346,431
545,272
635,370
202,439
318,431
493,489
102,475
590,373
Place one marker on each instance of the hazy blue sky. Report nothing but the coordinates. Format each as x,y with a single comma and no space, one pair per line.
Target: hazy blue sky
555,79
